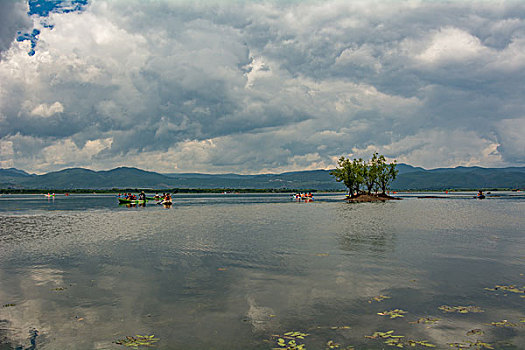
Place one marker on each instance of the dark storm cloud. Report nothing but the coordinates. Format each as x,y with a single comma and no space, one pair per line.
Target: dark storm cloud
13,18
262,86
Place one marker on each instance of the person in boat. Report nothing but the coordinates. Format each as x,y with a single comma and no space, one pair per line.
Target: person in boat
142,196
480,194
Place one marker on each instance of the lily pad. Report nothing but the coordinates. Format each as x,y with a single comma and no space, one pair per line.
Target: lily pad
476,331
399,341
460,309
510,288
291,340
393,313
378,298
332,345
383,335
503,323
477,345
339,327
138,340
424,343
427,320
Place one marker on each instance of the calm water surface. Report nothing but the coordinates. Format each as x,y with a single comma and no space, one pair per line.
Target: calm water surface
240,271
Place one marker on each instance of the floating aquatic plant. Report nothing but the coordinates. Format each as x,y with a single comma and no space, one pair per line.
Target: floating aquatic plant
503,323
378,298
138,340
332,345
384,335
460,309
288,341
340,327
426,320
393,313
477,345
8,305
399,341
394,342
420,342
476,331
510,288
297,335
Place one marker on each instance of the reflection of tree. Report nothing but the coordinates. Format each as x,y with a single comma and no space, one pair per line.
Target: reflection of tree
362,231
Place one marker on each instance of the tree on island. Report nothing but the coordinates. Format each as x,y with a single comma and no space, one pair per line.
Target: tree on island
375,174
387,174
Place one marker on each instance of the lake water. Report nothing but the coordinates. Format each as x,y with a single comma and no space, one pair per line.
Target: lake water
240,271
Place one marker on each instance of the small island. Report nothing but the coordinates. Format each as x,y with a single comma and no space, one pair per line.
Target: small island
374,176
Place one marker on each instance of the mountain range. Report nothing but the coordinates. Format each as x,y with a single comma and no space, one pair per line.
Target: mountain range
409,178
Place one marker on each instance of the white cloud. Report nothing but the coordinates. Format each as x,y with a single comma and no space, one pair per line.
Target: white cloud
511,136
450,148
65,153
6,154
45,110
362,56
450,45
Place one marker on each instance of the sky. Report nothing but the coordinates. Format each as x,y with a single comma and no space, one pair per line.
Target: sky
254,87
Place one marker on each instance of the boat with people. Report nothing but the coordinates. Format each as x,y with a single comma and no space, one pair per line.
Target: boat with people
129,198
132,201
166,199
308,197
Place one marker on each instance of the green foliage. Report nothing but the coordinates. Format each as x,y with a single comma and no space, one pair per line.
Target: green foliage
350,173
372,170
373,174
386,173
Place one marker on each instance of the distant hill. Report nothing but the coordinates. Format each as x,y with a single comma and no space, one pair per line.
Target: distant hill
12,172
409,178
461,178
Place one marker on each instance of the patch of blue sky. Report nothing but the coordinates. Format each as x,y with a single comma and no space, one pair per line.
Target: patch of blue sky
33,37
42,9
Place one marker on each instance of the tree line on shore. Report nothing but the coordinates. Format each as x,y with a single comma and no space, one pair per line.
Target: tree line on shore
361,176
